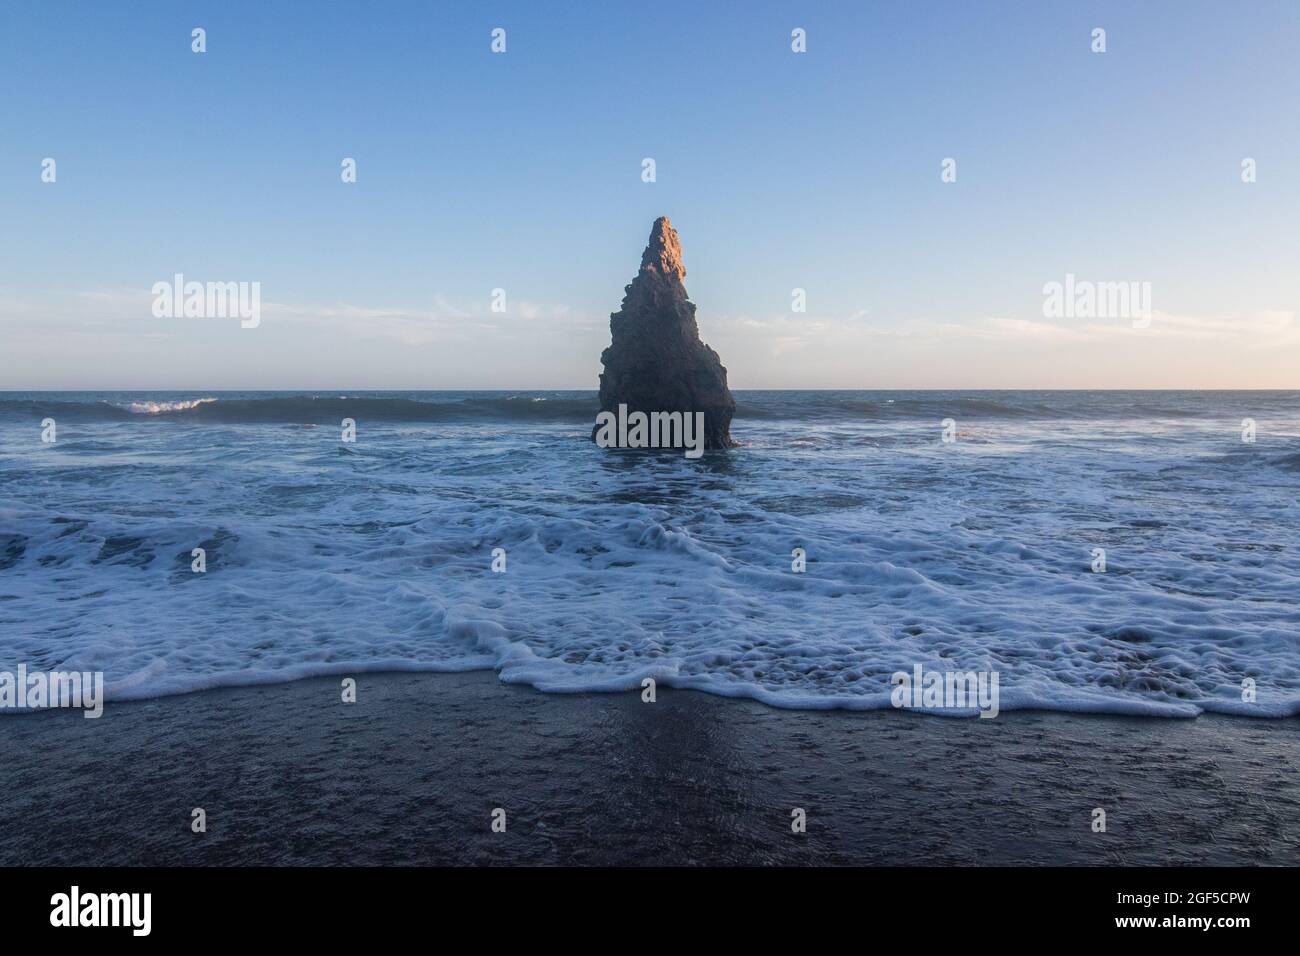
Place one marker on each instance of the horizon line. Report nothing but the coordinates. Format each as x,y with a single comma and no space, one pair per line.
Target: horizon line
596,388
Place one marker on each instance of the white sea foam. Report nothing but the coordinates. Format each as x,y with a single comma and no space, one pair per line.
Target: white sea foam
158,408
973,556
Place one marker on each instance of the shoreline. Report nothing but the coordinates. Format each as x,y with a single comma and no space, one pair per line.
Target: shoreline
1105,707
289,774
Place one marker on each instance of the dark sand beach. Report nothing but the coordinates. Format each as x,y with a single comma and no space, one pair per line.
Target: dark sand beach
410,774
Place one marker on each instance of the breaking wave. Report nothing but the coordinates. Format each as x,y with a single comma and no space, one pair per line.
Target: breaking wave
162,408
969,556
580,406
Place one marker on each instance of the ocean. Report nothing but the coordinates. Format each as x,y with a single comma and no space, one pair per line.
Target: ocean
326,557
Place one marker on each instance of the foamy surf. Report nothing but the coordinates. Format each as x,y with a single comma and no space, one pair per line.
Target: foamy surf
973,556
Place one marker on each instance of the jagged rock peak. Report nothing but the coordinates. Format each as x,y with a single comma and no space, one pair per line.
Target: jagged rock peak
663,253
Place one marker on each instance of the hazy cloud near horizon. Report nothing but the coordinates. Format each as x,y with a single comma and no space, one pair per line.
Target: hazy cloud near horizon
554,346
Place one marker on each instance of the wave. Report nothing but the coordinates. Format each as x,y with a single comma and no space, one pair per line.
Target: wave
1014,406
581,406
316,575
326,558
1289,462
314,409
323,410
161,408
846,408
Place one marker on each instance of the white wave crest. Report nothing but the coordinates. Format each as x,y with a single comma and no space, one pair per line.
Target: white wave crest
159,408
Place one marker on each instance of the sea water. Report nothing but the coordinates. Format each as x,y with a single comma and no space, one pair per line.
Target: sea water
326,556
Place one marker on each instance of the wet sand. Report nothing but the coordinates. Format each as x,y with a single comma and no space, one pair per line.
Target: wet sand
410,774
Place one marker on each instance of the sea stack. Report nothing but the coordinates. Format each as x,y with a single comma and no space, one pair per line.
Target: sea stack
656,361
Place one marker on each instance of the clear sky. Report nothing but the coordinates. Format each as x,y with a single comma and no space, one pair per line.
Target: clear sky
522,171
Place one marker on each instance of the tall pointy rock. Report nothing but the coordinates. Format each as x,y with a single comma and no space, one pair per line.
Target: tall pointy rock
656,361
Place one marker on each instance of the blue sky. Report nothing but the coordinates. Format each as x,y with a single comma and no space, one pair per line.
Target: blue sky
522,171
